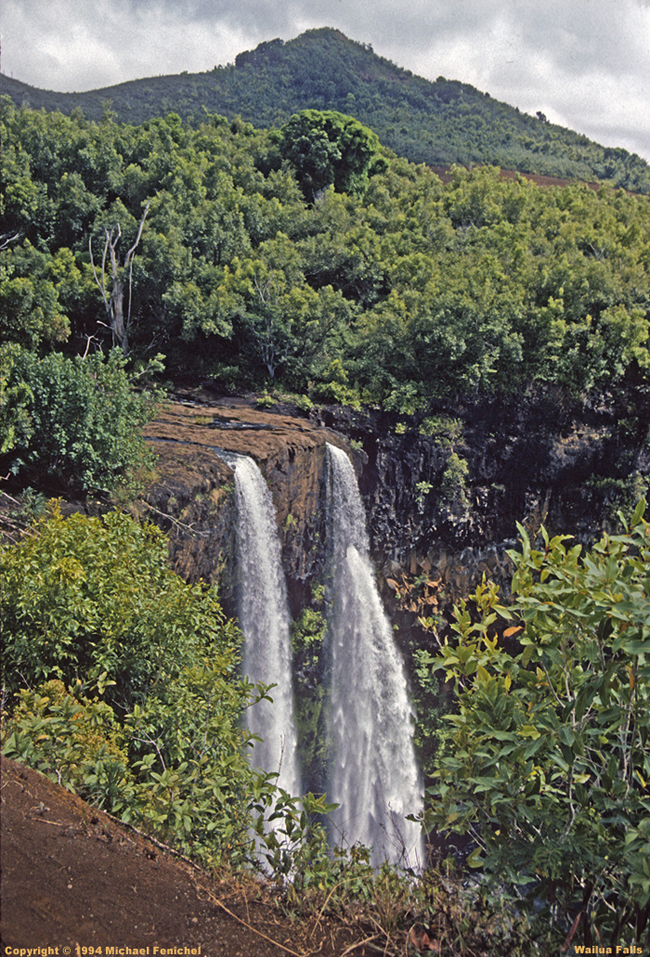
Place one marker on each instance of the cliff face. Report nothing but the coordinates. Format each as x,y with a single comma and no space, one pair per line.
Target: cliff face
443,494
192,497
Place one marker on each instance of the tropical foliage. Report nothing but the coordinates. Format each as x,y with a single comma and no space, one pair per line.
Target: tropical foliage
125,683
314,260
399,291
121,684
74,424
328,149
548,766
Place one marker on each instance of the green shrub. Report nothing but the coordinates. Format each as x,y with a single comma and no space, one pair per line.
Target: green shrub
83,598
405,399
84,420
302,402
15,400
454,479
308,630
71,739
445,430
337,392
89,604
265,401
548,766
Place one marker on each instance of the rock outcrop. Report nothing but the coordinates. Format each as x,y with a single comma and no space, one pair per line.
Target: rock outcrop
442,493
192,497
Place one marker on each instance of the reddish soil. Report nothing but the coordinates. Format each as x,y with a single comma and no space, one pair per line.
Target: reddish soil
444,172
72,879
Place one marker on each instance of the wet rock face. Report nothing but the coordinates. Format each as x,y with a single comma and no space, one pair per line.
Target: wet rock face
442,492
445,492
192,497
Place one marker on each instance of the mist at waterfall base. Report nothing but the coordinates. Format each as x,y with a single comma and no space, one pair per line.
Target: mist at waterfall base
265,623
373,771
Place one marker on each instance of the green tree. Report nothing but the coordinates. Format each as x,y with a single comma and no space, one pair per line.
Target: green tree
30,310
283,324
330,149
130,689
81,420
15,399
434,289
548,766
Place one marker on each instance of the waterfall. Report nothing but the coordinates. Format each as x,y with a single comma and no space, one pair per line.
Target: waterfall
264,619
373,773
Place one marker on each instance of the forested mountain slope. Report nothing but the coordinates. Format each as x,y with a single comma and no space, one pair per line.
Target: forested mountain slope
254,266
437,123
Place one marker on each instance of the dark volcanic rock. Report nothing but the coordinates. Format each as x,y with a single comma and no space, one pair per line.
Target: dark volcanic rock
445,491
451,488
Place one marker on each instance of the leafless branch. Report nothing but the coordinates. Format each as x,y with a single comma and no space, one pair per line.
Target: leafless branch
114,301
129,261
89,339
181,525
6,239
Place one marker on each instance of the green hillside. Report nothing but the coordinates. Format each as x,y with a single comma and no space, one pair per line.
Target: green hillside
439,123
313,258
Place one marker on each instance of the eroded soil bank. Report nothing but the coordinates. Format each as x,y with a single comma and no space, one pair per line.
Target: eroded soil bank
72,878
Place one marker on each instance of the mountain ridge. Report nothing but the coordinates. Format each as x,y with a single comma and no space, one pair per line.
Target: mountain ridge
439,123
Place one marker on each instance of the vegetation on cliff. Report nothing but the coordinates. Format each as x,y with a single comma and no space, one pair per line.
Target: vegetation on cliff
547,763
74,424
125,678
133,700
340,273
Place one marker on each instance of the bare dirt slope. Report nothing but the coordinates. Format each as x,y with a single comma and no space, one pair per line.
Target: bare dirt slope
72,878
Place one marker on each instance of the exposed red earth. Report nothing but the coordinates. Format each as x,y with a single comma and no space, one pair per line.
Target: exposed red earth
74,882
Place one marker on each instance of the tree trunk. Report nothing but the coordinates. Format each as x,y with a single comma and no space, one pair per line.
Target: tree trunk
116,316
114,302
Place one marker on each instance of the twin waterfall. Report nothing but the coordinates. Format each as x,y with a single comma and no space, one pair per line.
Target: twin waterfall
372,770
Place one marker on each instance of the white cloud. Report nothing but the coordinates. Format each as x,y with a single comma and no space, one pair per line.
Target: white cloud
584,63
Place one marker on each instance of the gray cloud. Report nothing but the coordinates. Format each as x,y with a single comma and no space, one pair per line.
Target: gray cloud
584,63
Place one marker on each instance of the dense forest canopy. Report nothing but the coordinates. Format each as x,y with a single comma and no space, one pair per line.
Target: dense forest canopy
399,292
437,123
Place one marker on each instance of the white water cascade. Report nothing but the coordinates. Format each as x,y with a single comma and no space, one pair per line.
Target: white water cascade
264,619
373,775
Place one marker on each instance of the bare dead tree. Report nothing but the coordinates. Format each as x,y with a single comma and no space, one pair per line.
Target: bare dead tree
6,239
114,300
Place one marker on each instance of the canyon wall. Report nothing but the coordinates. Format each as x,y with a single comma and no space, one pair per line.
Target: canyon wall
443,493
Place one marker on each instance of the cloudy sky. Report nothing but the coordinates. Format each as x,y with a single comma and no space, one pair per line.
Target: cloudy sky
584,63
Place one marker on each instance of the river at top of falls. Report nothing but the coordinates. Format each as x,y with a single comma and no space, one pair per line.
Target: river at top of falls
265,623
373,771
